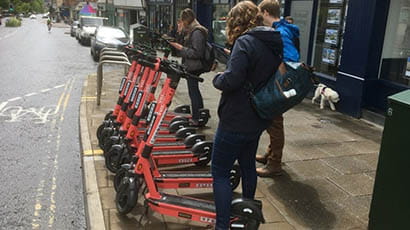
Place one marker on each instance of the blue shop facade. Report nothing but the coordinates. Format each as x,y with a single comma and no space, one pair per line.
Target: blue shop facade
361,48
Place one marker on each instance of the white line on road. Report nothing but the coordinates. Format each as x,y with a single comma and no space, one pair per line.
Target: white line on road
30,94
45,90
14,99
2,105
59,86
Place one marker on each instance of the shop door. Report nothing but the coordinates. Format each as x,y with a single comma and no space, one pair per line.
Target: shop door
301,11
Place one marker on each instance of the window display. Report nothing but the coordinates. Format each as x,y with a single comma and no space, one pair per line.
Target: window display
220,11
396,49
329,36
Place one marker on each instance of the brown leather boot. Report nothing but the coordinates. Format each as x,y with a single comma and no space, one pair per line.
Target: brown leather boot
269,170
262,158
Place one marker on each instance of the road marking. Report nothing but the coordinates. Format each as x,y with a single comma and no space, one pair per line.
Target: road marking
52,209
9,35
2,105
38,210
37,206
60,100
45,90
42,91
93,152
88,152
14,99
98,152
59,86
18,113
30,94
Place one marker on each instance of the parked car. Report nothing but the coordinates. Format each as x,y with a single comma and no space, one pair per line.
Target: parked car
87,27
46,15
33,16
106,36
74,27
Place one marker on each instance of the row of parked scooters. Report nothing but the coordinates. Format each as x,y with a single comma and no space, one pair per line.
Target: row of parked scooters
140,135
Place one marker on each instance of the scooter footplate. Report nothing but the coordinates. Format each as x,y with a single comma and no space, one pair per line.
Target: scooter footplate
187,202
169,144
184,174
177,152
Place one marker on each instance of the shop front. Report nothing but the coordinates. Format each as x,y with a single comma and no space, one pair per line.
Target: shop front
360,48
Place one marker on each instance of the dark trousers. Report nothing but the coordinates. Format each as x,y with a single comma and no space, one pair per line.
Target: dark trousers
195,95
229,147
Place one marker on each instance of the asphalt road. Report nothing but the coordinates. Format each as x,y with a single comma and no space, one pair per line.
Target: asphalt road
41,77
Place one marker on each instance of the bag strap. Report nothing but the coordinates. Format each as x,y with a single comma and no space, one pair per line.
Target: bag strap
281,68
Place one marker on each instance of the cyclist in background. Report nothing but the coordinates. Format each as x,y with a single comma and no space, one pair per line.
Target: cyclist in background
49,24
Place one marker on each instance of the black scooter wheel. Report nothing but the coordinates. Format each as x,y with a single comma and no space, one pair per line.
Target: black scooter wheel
109,142
178,118
99,131
182,109
235,176
108,115
204,150
107,132
127,195
112,158
119,176
175,126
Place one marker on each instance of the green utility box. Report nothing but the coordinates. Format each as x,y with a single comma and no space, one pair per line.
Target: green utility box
390,207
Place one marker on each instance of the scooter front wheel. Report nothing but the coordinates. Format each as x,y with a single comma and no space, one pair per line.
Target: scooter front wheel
127,195
112,159
119,176
235,176
99,131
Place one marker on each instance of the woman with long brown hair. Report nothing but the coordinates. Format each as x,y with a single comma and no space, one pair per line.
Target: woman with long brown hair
255,56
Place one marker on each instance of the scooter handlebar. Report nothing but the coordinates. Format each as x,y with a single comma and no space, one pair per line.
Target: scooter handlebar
173,68
147,63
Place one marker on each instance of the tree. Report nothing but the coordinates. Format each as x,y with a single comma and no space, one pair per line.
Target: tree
4,4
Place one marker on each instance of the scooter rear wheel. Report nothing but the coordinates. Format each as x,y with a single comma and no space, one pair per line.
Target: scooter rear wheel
235,176
127,195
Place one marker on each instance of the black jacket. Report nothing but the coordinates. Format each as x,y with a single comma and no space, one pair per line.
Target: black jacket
255,57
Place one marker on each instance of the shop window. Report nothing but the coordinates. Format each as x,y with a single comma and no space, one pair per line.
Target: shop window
395,63
220,12
329,36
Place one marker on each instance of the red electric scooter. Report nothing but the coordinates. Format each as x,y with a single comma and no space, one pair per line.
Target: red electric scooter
245,214
194,152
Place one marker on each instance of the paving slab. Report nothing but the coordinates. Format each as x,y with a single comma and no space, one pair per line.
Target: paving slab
354,184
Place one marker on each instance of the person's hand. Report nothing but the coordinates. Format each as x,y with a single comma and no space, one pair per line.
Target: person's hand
176,45
227,51
180,26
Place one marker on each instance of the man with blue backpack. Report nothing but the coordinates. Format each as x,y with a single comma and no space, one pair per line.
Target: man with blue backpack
272,159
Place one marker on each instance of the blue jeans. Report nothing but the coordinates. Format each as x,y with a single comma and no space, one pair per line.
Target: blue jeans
195,96
229,147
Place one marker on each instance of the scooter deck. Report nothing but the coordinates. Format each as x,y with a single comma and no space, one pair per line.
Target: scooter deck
169,144
176,152
186,202
184,174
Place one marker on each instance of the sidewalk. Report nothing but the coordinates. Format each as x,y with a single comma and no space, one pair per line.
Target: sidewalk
330,162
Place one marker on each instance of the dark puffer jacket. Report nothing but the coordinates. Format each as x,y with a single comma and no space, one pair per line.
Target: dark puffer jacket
255,56
194,49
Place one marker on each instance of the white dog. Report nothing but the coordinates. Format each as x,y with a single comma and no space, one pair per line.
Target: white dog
326,94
